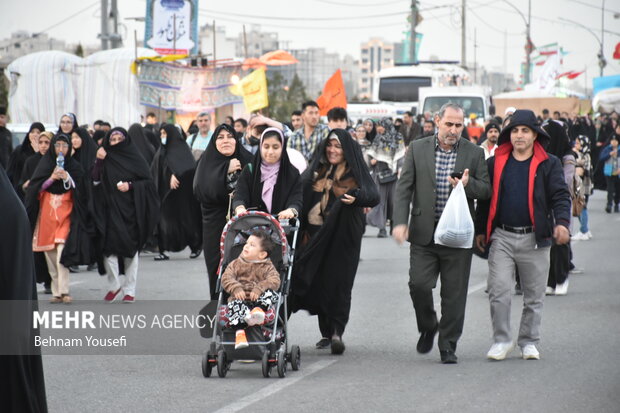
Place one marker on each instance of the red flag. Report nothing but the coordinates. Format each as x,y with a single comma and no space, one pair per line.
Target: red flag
617,52
573,75
333,94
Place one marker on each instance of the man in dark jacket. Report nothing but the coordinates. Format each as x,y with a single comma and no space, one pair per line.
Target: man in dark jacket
528,210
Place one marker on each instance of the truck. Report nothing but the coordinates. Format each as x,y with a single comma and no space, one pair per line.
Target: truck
473,99
396,89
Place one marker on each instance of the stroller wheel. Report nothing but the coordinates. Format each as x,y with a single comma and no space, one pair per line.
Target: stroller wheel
206,366
266,364
281,363
295,357
222,364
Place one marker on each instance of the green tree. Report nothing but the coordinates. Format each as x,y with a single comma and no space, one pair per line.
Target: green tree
79,50
284,98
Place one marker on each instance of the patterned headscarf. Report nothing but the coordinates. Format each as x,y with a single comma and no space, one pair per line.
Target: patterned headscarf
390,141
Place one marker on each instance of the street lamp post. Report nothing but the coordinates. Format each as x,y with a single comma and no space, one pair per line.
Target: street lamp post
601,57
528,40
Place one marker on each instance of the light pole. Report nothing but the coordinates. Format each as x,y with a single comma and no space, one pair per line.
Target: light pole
601,57
528,40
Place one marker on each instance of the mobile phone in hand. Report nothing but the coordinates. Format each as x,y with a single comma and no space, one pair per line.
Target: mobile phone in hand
456,175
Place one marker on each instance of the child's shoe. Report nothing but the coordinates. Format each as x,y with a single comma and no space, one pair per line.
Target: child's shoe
257,317
240,340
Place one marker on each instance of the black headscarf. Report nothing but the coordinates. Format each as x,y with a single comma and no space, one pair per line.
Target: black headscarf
20,154
21,369
86,153
178,156
152,136
287,183
125,219
75,123
559,144
99,134
210,179
146,148
370,136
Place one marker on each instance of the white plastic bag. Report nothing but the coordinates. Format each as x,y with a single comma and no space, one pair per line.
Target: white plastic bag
455,227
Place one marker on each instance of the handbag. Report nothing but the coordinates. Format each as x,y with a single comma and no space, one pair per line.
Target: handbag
386,176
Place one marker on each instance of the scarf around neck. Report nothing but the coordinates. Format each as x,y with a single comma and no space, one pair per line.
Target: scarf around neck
269,172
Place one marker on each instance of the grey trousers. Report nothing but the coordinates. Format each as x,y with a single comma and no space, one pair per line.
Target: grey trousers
427,263
509,251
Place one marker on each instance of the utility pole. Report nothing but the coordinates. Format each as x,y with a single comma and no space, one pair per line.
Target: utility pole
214,39
412,33
245,43
104,25
463,36
601,58
475,56
528,46
115,38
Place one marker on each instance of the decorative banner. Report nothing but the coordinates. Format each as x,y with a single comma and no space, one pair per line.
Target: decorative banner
183,88
333,95
172,26
253,88
617,52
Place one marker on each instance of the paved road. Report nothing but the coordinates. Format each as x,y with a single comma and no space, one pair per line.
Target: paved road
380,370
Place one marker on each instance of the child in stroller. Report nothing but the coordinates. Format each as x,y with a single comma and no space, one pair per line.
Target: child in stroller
251,281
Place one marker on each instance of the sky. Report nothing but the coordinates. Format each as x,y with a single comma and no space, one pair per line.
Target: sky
342,25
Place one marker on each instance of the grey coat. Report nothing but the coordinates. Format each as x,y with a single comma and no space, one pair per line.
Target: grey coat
417,185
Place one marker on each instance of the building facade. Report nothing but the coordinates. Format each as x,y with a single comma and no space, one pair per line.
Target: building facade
376,54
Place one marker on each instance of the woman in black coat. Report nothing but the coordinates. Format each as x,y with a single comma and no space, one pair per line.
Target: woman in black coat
173,171
270,183
21,153
336,188
215,181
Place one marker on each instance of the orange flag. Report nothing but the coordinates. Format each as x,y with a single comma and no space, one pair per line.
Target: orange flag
333,94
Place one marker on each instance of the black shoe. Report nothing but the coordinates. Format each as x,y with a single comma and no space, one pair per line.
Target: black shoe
323,343
47,288
91,267
448,357
195,254
518,290
337,345
382,233
425,343
161,257
608,208
74,269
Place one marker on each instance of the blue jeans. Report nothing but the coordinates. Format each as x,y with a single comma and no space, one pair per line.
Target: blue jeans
583,219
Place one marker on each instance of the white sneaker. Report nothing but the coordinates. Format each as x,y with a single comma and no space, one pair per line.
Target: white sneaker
589,235
550,291
499,351
561,289
580,236
529,352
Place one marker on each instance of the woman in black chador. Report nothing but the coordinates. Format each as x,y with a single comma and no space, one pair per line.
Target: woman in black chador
337,187
126,209
215,181
28,148
21,373
173,174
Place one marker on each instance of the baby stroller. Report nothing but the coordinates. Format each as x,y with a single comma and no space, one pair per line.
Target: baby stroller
268,342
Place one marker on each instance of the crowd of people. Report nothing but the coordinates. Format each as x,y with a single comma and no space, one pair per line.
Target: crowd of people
98,196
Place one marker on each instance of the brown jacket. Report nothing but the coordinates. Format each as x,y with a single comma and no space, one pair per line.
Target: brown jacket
250,276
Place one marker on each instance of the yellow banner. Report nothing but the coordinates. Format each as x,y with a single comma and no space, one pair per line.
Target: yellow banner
253,88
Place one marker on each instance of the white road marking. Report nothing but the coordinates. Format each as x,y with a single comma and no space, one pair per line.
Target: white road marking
275,387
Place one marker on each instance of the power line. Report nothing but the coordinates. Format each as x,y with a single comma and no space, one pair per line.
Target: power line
593,6
336,3
491,26
66,18
296,18
336,28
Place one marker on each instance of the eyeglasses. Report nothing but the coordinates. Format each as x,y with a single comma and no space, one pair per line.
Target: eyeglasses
59,145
